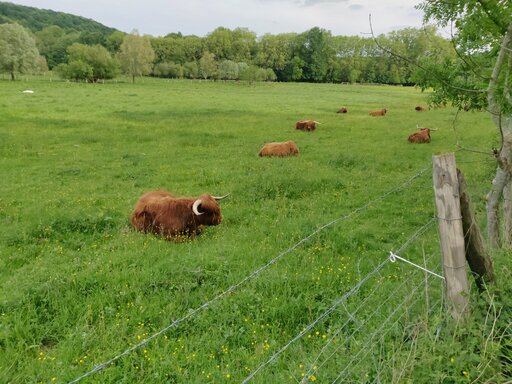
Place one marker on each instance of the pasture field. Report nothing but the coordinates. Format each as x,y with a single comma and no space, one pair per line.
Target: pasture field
78,286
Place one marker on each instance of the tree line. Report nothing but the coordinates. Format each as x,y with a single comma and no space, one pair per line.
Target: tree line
312,56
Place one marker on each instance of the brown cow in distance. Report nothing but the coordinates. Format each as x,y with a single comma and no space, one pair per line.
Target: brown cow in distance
306,125
342,110
379,112
287,148
177,218
423,136
419,108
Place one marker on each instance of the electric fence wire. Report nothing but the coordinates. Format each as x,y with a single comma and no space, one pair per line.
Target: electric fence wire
365,347
438,303
192,312
354,290
313,368
351,292
351,315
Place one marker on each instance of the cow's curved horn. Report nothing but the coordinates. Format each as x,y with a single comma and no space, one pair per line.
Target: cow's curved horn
195,207
221,197
316,122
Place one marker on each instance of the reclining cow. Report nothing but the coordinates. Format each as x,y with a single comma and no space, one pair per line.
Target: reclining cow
162,213
306,125
287,148
379,112
423,136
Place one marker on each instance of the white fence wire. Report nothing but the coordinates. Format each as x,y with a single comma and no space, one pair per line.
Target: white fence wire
313,368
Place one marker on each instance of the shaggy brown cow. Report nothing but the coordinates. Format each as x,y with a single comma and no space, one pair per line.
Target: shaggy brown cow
172,217
419,108
342,110
306,125
286,148
423,136
380,112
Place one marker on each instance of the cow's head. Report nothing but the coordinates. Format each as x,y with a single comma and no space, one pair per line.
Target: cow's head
206,209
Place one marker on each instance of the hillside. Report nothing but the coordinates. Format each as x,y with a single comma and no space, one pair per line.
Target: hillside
36,19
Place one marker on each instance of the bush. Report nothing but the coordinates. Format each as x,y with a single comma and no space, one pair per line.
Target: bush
76,70
89,63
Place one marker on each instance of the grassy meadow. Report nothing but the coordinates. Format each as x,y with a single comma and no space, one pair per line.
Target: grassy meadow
78,286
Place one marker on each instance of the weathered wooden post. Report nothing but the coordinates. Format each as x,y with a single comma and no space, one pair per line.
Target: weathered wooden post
446,189
479,261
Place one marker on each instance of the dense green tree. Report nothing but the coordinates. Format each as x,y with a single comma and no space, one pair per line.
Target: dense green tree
348,53
76,70
228,70
191,70
251,73
176,71
270,75
480,78
208,66
177,48
193,47
161,70
413,45
18,51
92,38
171,70
89,63
53,42
244,45
316,51
237,45
114,41
168,49
275,52
294,70
136,55
219,43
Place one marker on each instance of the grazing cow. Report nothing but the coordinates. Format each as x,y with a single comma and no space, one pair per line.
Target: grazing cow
176,218
342,110
306,125
287,148
419,108
379,112
423,136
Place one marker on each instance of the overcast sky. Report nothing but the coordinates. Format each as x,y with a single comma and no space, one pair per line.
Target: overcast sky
199,17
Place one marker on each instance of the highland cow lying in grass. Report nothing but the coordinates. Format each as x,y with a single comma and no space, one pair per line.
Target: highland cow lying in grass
306,125
172,217
286,148
423,136
379,112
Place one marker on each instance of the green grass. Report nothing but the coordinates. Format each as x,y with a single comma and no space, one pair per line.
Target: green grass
78,286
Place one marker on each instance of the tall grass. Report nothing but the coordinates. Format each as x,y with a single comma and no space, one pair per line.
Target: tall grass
78,286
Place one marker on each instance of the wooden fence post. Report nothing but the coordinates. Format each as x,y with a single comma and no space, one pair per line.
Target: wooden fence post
478,260
449,218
